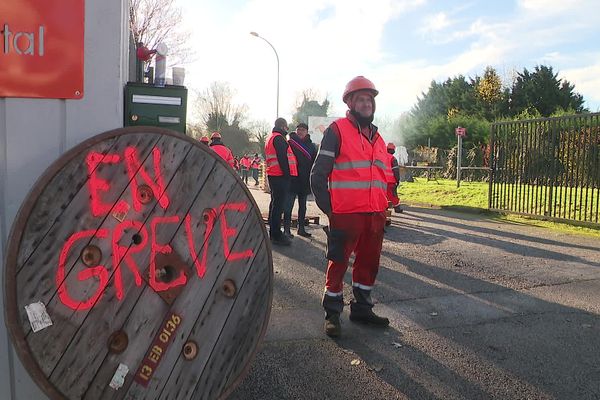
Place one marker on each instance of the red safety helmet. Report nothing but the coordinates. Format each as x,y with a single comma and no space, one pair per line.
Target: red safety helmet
215,135
356,84
204,139
391,146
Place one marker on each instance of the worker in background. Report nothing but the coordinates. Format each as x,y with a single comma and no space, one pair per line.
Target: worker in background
348,181
204,140
393,178
245,165
281,166
217,145
305,154
255,167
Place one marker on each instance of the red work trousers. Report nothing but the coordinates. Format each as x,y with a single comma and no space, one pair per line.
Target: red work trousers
392,194
358,233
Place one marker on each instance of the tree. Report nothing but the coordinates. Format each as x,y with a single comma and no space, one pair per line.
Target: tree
543,91
194,130
159,21
455,95
218,112
237,139
489,90
259,131
308,105
216,108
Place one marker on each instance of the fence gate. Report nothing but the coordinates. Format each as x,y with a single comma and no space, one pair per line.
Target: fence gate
547,167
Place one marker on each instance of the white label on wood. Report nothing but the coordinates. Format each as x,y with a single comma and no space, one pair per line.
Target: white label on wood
38,317
118,378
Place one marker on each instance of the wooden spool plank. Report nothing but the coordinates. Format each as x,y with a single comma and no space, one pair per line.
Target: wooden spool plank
219,189
215,190
199,291
61,333
108,317
36,278
71,358
199,377
177,383
52,203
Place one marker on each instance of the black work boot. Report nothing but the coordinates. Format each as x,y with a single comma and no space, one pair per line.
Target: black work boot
302,232
368,317
361,310
333,327
333,305
287,232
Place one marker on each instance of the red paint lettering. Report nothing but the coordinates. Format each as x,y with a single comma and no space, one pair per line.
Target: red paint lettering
227,232
158,186
120,253
156,248
98,271
97,185
200,263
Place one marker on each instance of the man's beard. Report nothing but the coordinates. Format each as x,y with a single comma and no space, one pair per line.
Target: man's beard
362,121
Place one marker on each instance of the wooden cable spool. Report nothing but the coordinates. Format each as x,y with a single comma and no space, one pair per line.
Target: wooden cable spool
152,263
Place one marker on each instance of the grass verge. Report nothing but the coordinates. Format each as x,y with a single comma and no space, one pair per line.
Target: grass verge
472,197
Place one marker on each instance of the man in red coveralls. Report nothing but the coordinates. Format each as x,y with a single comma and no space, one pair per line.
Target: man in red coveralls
393,178
349,183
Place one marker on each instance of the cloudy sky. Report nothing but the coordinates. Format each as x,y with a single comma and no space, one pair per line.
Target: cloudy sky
401,45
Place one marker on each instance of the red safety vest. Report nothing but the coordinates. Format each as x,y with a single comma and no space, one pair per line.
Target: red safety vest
358,181
273,167
389,173
245,162
224,153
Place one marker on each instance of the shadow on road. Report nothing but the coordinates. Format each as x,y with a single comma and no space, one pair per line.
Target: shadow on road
453,335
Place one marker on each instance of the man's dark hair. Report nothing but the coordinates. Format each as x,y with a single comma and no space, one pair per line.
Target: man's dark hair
301,125
280,123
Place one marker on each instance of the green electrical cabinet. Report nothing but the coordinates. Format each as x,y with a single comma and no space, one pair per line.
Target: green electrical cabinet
149,105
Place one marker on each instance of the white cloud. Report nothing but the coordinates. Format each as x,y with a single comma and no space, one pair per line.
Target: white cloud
548,6
587,82
324,43
435,23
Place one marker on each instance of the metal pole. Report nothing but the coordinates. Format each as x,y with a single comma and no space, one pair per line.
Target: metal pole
276,56
458,160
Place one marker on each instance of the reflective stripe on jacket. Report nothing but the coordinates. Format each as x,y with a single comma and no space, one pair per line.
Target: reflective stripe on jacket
273,167
358,182
389,172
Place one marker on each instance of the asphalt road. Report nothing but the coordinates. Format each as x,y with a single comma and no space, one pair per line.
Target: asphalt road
479,310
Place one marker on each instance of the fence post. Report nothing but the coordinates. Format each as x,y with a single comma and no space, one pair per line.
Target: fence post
491,166
458,160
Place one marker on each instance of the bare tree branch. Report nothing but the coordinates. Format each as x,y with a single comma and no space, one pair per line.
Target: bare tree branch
159,21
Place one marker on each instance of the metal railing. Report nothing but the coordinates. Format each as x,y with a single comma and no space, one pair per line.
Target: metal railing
547,167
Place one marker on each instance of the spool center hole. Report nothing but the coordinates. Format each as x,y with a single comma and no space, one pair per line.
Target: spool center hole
166,274
137,238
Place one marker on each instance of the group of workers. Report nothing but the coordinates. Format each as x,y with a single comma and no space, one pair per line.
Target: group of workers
354,178
246,165
289,162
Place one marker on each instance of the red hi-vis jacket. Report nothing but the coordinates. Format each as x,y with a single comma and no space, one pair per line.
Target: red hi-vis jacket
389,172
225,153
273,167
245,161
358,181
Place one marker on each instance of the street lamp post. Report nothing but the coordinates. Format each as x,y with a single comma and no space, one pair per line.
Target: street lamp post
277,56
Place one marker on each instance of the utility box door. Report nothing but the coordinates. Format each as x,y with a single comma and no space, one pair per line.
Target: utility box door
147,105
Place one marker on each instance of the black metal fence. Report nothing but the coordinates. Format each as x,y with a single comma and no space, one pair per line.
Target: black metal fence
547,167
